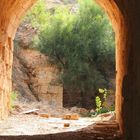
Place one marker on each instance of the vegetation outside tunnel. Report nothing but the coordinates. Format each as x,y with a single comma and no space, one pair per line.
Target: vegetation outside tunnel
80,41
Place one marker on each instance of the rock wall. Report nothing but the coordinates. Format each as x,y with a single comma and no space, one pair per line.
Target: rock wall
20,80
10,15
76,99
35,79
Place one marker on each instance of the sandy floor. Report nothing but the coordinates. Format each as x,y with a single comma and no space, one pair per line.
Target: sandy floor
20,123
32,124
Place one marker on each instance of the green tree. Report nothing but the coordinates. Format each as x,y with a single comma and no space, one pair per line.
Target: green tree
81,44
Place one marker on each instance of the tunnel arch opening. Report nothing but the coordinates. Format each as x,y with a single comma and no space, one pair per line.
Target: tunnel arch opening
27,31
9,27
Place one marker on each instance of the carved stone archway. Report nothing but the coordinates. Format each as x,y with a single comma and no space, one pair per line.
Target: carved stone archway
125,17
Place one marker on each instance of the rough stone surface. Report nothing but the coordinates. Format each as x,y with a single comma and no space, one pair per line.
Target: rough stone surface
35,79
20,81
11,12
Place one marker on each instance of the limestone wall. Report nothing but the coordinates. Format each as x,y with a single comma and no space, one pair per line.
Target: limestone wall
11,12
35,79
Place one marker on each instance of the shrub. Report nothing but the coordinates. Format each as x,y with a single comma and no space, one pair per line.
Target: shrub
13,98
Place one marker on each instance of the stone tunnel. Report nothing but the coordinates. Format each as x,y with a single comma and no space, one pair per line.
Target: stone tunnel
125,18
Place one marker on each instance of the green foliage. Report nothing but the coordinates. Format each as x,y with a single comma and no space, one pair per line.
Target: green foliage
13,98
105,92
102,105
81,44
98,104
38,15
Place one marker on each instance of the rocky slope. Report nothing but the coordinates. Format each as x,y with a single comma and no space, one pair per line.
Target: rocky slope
35,79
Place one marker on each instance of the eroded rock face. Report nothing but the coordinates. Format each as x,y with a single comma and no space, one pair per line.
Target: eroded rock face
20,81
10,15
35,79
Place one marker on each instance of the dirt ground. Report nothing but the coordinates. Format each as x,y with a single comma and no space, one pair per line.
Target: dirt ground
24,124
29,124
35,125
